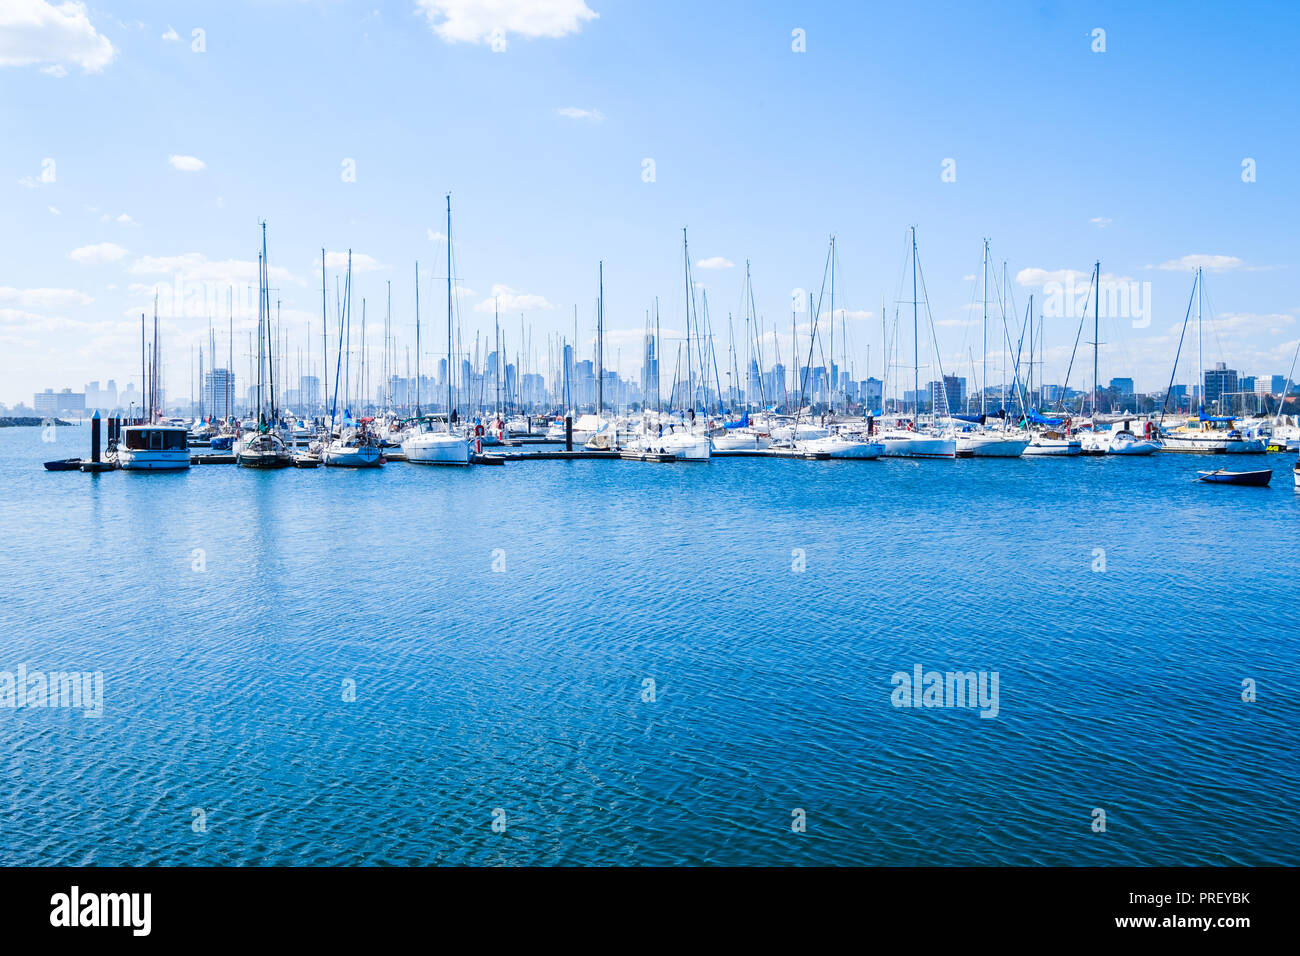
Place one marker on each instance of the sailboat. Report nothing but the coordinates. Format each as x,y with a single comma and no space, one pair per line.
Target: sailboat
424,444
152,445
836,442
264,448
976,439
910,441
1208,434
666,436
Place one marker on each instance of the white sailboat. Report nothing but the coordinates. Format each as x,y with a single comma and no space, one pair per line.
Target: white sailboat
424,445
264,449
1207,434
912,439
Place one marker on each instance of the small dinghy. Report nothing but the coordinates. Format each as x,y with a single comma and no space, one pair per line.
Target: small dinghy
306,461
64,464
1257,479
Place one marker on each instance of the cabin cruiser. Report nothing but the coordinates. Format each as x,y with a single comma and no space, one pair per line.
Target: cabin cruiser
1124,441
841,444
424,445
1214,436
1051,441
153,448
674,439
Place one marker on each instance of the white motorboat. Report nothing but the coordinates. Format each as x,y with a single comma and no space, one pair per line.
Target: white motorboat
1052,442
1203,437
839,445
678,440
425,446
153,448
902,443
988,443
1124,442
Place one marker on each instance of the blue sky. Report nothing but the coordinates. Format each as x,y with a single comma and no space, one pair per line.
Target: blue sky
164,158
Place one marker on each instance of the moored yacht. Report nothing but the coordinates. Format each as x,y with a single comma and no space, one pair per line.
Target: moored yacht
153,448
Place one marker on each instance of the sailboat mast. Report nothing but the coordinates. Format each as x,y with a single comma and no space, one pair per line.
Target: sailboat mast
916,348
1096,338
417,344
985,377
1200,358
690,377
448,314
600,343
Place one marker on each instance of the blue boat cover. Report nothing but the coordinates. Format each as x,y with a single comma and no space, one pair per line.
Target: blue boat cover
1038,419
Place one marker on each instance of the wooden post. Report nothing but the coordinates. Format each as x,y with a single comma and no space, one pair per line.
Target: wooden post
94,437
568,433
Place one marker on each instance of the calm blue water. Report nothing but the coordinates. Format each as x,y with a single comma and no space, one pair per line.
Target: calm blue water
522,690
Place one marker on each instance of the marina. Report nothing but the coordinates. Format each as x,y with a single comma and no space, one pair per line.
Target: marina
841,440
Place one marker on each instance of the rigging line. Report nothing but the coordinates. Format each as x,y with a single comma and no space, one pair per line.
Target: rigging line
1060,401
1174,370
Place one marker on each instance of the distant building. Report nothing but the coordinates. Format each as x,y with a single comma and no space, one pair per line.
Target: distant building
50,402
1270,384
1219,381
873,390
1122,386
219,392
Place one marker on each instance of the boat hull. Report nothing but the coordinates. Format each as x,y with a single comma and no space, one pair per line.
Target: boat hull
1253,479
436,450
917,446
1054,447
366,456
1212,446
152,460
984,446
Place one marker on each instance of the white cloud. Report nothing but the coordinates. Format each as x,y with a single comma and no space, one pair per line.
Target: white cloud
37,32
360,262
1037,278
170,34
44,298
715,262
187,164
969,278
435,236
492,21
97,254
853,314
58,70
508,300
55,210
196,267
126,220
1101,222
1209,263
577,113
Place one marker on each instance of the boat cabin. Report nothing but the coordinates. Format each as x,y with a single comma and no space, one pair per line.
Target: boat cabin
154,437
